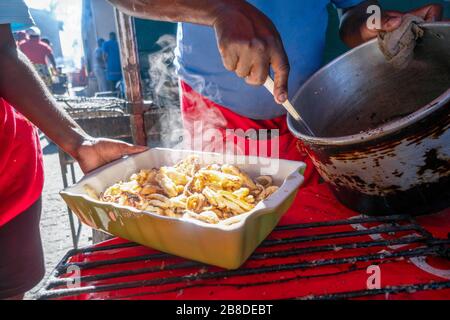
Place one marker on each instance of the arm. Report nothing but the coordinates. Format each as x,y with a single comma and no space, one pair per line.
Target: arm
104,53
52,60
102,57
354,30
39,107
248,41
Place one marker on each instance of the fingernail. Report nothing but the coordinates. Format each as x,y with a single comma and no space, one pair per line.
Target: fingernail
282,97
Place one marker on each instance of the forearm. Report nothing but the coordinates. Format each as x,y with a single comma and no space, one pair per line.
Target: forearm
248,41
353,21
52,60
194,11
21,86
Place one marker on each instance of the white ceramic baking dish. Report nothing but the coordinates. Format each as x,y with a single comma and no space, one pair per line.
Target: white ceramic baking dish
227,245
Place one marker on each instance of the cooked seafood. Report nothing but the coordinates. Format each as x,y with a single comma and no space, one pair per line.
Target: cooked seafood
210,194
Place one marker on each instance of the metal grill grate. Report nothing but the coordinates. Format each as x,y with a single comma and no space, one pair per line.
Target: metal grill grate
287,257
81,108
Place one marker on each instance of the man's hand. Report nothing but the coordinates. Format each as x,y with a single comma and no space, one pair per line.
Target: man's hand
354,30
391,20
250,44
248,41
95,153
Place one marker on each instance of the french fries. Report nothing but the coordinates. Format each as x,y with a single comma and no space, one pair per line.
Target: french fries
210,194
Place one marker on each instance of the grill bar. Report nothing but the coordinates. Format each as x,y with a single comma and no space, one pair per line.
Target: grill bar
384,291
257,256
280,228
268,243
62,265
244,272
346,295
391,225
240,285
335,223
336,235
89,265
107,248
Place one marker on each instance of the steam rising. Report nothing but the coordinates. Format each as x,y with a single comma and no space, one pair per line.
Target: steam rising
204,127
164,91
162,72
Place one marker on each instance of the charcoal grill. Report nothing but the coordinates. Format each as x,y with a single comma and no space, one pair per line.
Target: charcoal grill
316,253
107,117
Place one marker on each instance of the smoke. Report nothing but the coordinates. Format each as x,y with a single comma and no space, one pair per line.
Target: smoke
164,124
162,72
202,127
163,89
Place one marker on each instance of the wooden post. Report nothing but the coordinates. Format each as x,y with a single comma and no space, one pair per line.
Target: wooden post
131,73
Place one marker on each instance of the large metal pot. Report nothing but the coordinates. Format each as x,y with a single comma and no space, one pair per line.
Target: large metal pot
383,138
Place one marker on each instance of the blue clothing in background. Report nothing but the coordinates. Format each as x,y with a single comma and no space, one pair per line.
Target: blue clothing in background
302,25
113,66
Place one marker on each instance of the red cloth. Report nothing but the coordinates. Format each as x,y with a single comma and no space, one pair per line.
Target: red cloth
200,115
36,50
21,166
315,202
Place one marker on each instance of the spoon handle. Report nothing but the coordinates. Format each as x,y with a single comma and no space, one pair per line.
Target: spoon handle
270,85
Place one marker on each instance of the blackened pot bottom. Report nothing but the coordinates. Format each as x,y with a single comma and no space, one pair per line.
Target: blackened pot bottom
421,200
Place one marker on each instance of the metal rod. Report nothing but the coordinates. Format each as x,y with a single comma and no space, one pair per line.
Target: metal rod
107,248
257,256
63,163
336,235
343,222
389,290
435,247
96,264
239,285
347,295
241,272
268,243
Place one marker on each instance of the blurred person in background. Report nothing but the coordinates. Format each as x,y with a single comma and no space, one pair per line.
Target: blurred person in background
100,66
40,54
53,71
20,37
112,56
25,103
47,42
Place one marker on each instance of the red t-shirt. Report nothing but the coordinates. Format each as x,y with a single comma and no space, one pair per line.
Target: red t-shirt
21,166
36,50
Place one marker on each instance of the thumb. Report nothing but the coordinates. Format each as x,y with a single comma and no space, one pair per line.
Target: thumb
390,23
280,66
429,13
129,149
